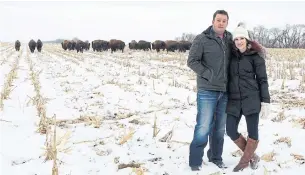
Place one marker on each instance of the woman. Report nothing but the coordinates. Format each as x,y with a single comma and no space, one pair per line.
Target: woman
248,94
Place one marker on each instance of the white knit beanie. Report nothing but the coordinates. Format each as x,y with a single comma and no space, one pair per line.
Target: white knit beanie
241,31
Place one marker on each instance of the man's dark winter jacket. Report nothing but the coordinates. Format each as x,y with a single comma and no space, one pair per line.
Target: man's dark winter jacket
248,82
209,58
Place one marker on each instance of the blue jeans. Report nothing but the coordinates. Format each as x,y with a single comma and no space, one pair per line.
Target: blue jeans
211,122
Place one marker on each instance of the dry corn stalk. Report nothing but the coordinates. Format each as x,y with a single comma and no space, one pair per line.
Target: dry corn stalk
286,140
280,117
138,171
59,144
55,168
91,120
126,137
155,131
167,137
38,99
132,165
300,122
269,156
8,83
237,153
298,158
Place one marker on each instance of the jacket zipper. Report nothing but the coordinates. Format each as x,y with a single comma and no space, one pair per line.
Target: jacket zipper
238,78
224,61
224,58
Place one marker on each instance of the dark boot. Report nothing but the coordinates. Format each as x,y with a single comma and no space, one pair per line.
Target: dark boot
241,143
248,154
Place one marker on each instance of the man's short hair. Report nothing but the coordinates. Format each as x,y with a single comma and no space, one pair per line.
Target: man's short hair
222,12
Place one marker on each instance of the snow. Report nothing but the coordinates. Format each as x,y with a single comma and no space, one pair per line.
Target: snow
124,93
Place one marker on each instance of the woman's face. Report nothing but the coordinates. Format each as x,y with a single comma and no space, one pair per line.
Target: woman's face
241,43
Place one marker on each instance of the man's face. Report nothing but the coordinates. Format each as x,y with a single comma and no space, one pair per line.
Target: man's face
220,23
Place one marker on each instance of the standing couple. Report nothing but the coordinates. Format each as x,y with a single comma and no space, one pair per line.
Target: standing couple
231,82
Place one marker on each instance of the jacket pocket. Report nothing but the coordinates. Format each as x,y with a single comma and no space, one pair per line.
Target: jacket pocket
208,74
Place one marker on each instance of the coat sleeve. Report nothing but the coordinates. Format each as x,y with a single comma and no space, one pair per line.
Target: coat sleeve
195,56
262,79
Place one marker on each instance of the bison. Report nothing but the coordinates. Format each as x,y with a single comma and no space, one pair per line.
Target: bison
133,45
72,45
68,44
115,44
17,45
100,45
158,45
64,44
79,46
144,45
184,46
39,45
86,45
32,45
171,45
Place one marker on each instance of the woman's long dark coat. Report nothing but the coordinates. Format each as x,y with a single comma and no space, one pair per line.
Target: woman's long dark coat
248,82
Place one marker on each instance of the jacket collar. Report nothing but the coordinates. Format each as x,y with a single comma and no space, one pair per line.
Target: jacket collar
211,33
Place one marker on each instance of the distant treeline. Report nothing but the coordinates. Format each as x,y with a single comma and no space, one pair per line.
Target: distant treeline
54,41
291,36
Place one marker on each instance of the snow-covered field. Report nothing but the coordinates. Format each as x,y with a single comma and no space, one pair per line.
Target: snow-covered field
108,108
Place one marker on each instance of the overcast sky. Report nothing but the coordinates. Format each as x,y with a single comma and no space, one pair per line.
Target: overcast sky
134,20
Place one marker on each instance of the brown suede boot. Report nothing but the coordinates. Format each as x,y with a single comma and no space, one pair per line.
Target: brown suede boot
241,143
248,154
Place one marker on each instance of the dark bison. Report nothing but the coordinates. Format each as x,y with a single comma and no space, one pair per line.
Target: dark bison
144,45
184,46
133,45
79,46
17,45
68,44
116,45
39,45
171,45
64,44
32,45
72,45
100,45
86,45
158,45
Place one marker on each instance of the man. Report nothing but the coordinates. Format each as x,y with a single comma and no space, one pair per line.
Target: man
208,58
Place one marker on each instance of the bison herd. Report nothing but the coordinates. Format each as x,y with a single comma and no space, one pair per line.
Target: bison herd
114,45
168,45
